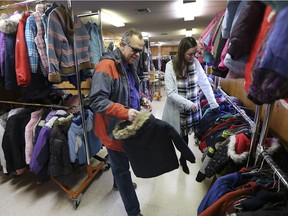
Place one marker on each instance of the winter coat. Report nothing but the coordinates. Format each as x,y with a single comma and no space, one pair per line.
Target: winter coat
61,30
110,97
270,79
76,142
149,144
40,155
233,152
264,28
59,158
30,134
245,29
3,120
14,140
23,74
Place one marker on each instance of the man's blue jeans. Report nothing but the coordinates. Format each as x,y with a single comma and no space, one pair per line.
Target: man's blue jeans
122,177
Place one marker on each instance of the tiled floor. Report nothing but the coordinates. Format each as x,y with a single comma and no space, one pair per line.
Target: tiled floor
171,194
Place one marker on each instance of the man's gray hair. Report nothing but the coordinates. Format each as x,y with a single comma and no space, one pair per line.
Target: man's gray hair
128,35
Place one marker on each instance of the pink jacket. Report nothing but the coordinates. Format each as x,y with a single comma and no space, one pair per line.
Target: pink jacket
29,134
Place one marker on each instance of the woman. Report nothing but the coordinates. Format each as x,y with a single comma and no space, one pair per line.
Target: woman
183,74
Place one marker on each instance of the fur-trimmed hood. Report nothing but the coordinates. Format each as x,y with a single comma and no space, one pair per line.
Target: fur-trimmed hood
241,142
9,25
126,129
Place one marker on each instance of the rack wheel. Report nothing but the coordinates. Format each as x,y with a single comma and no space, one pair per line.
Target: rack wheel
76,201
106,167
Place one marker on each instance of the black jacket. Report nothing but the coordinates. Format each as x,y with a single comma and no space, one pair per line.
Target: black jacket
149,144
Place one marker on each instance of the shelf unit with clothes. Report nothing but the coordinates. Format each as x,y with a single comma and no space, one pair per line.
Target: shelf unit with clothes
258,83
41,98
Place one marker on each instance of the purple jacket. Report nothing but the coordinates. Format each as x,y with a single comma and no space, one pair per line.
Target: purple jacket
40,155
2,53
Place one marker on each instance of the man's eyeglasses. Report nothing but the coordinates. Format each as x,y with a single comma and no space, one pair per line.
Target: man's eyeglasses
134,50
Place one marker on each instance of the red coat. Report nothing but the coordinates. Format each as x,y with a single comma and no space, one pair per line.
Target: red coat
22,65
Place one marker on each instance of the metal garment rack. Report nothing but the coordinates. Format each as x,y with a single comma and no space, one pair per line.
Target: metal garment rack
19,4
261,150
255,125
235,106
39,105
254,148
92,170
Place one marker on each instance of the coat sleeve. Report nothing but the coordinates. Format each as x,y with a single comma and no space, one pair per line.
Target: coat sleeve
102,89
180,144
171,88
205,85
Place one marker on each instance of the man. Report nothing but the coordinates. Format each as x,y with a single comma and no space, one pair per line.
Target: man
115,96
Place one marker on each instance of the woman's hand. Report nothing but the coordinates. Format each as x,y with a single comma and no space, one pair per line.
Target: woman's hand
194,107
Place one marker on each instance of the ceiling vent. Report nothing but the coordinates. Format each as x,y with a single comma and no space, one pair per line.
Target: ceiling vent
164,33
143,11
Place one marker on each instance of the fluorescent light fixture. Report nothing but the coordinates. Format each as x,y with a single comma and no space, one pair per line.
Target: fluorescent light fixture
193,9
112,18
189,17
189,33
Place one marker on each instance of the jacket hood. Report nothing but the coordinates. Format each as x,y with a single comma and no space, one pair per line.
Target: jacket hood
126,129
240,156
115,55
271,145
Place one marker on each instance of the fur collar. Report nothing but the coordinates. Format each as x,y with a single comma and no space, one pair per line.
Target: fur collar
126,129
271,146
9,25
237,158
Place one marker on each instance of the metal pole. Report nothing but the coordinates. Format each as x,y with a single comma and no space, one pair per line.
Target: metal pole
264,130
255,130
82,111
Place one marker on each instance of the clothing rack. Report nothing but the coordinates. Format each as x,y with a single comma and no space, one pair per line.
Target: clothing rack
17,4
39,105
98,12
261,151
89,14
255,129
92,170
255,125
240,111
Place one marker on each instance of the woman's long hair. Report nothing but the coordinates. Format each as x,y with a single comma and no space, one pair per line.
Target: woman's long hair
179,62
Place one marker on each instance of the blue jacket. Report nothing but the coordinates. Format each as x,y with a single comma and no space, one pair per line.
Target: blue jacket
77,149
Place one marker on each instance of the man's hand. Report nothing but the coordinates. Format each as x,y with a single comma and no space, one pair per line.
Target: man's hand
132,114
